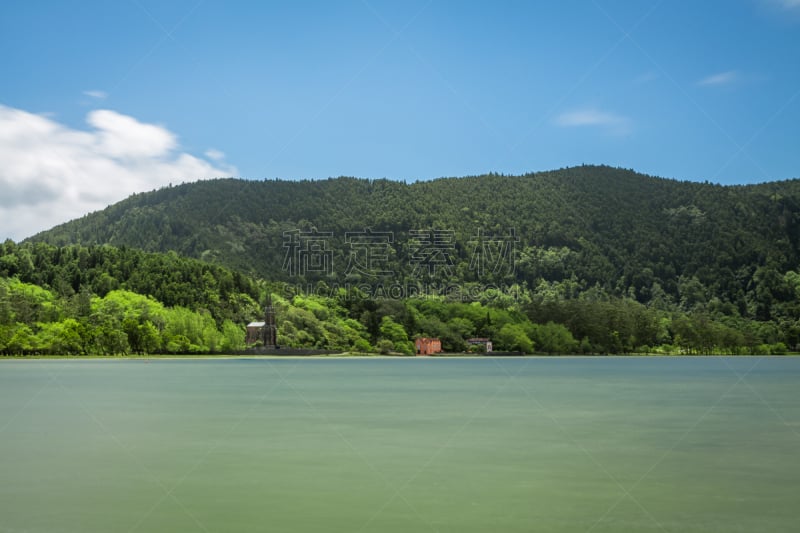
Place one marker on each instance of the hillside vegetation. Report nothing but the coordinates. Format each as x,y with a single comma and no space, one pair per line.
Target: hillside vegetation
619,261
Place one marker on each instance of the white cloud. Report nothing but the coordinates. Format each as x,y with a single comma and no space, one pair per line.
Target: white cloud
781,11
214,154
720,78
50,173
99,95
125,137
612,122
787,4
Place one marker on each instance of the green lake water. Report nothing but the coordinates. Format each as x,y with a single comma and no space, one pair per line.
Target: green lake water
484,445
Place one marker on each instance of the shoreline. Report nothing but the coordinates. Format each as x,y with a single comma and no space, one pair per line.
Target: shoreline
348,356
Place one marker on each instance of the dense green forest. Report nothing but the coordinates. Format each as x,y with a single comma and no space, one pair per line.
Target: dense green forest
580,260
632,235
104,300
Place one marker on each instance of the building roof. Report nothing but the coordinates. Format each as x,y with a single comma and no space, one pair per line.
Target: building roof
256,324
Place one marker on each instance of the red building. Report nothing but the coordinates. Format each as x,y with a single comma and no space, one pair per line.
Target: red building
426,346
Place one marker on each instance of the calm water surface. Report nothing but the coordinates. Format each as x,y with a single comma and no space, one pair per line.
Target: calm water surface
566,444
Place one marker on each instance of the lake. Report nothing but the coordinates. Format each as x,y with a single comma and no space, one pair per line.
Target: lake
419,444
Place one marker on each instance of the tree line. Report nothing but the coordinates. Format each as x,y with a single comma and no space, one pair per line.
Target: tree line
102,300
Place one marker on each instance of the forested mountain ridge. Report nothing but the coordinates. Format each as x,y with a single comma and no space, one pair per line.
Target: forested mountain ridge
630,234
602,260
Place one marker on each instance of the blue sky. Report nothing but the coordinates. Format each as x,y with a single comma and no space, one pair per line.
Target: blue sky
102,99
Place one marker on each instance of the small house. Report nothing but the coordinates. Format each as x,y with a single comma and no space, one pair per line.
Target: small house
483,342
427,346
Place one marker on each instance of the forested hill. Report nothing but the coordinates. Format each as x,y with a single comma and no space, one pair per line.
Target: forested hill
593,225
595,260
578,229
